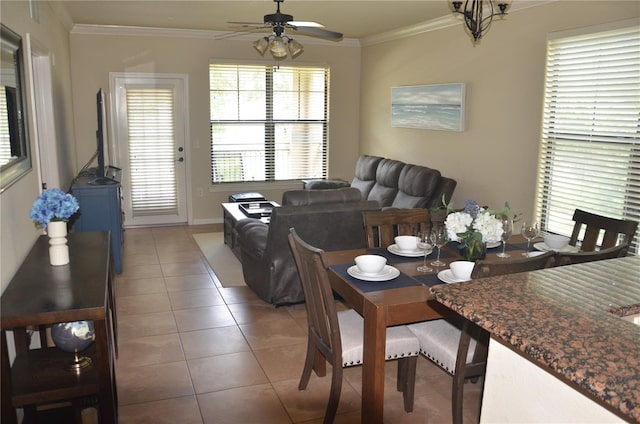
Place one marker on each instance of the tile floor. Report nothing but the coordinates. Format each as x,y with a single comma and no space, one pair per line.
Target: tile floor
193,352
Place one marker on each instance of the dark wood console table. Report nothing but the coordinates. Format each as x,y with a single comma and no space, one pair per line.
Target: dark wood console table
39,295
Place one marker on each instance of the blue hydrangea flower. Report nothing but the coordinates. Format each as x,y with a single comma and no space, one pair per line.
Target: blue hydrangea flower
53,205
472,208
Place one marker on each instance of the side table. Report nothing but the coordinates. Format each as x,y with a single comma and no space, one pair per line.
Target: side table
40,295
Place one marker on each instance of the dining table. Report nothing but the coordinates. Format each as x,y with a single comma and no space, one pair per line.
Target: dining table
403,300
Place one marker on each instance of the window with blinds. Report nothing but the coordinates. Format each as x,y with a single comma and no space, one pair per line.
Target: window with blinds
5,135
590,144
268,123
151,151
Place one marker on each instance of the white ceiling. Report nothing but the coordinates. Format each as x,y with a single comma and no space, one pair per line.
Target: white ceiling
355,18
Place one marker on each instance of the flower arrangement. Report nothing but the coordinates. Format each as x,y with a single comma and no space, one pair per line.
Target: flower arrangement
53,205
474,227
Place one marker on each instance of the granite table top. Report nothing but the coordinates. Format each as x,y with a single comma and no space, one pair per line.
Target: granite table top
567,320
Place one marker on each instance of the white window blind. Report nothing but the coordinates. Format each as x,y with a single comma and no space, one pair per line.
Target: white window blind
151,151
268,123
590,145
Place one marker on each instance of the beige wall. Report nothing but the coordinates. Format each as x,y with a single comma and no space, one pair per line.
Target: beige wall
494,159
17,232
95,56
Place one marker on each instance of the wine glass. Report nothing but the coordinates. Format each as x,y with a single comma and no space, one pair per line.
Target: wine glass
422,243
529,231
507,229
439,239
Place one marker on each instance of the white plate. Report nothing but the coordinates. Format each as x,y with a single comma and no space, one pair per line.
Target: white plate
446,276
494,244
415,254
388,273
567,249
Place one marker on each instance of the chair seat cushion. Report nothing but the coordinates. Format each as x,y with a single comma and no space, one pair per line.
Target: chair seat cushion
439,340
401,342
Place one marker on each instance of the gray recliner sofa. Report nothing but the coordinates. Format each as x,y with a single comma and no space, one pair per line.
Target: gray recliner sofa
395,184
331,220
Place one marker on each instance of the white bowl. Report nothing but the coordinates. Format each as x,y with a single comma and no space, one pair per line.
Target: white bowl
555,241
406,243
461,270
370,264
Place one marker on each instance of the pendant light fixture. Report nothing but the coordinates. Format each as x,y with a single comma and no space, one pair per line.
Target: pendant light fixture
478,14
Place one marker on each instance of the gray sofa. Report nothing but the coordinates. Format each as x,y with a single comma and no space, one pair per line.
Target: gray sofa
331,220
395,184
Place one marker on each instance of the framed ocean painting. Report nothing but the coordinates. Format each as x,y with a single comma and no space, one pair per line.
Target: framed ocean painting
432,107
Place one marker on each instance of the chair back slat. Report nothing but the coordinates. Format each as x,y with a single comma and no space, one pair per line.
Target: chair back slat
614,230
382,227
489,268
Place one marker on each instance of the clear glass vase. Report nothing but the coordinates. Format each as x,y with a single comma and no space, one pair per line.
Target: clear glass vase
473,250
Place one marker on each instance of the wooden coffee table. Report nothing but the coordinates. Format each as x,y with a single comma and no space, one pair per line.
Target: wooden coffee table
232,213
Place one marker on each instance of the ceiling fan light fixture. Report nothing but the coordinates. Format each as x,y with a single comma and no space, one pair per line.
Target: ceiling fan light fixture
278,47
295,48
278,43
261,45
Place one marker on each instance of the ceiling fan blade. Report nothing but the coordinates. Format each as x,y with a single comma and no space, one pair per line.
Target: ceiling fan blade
233,34
246,23
319,32
305,24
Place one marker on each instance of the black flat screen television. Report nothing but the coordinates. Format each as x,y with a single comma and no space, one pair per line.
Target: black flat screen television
102,146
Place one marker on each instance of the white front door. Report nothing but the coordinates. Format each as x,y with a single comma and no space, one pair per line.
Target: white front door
150,134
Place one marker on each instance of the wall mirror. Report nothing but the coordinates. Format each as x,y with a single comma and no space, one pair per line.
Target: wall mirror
15,160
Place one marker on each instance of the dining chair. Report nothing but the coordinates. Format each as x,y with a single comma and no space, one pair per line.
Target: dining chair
336,336
489,268
568,258
616,231
459,346
382,226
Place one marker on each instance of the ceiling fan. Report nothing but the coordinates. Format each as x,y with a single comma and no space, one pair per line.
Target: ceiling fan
279,42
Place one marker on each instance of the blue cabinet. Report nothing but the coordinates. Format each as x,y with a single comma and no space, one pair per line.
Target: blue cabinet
101,210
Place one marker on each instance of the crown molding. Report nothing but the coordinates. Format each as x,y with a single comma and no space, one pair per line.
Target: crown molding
421,28
440,23
134,31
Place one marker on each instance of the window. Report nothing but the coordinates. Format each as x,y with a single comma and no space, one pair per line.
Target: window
590,145
268,123
5,140
151,151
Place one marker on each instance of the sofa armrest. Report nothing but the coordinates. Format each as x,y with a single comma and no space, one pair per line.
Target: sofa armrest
445,188
252,237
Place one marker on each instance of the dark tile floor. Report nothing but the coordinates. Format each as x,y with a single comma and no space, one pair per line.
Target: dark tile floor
192,351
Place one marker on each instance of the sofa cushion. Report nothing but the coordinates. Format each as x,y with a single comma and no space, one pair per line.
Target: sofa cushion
314,197
416,186
365,173
386,186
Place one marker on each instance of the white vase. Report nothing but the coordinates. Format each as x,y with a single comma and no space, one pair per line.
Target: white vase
58,249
